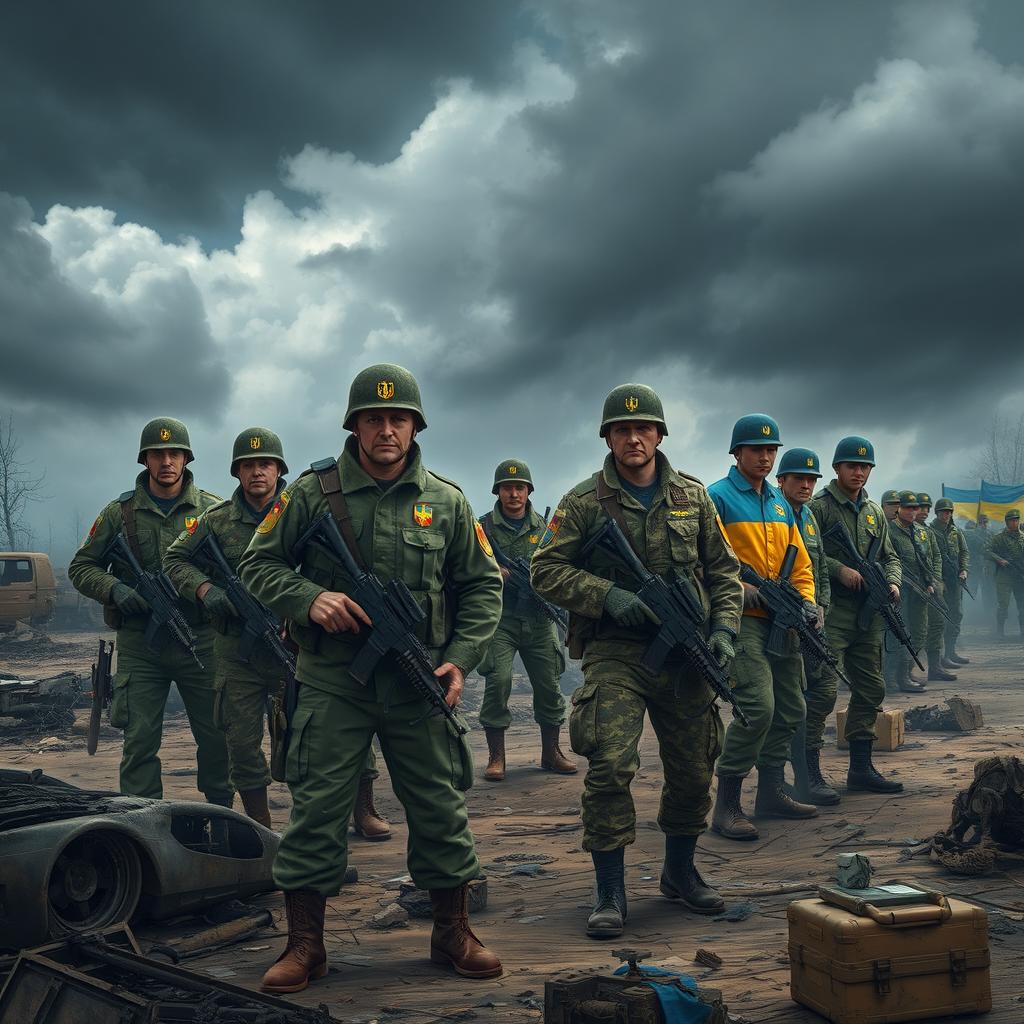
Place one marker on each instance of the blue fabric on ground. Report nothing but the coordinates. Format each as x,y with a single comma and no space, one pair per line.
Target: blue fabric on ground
679,1002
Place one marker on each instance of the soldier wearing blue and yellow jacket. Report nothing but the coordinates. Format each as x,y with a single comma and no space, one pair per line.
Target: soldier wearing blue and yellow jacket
760,526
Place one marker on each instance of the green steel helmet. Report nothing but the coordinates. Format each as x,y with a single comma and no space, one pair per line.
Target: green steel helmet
944,505
630,402
908,499
384,386
799,460
512,471
854,449
890,497
164,432
756,428
1013,513
257,443
924,498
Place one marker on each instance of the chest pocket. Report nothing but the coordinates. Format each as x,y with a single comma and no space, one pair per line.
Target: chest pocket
422,553
682,540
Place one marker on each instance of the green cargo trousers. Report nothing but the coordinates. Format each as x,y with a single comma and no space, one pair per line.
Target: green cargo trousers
1008,584
955,602
820,697
605,726
768,689
430,767
860,653
240,707
538,646
936,628
141,686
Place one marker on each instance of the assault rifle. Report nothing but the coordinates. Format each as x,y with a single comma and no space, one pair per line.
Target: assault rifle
395,614
102,694
784,604
879,598
679,611
952,567
519,580
156,588
936,602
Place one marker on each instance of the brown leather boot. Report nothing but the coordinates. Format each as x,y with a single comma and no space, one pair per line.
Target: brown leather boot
365,819
495,770
452,941
728,819
772,800
255,803
304,958
551,757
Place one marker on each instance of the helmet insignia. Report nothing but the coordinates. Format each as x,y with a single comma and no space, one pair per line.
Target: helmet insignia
766,430
255,442
810,463
512,470
862,450
165,434
385,389
632,403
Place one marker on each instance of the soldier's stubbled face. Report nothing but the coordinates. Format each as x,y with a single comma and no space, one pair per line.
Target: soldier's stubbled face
385,435
797,487
922,513
755,461
513,498
165,466
852,476
258,478
944,516
907,515
633,442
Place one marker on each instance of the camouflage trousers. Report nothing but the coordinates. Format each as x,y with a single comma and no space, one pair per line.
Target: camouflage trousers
768,689
241,692
605,726
936,627
538,646
860,653
822,688
430,768
1009,585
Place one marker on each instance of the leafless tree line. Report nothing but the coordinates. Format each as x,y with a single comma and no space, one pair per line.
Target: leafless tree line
1001,459
19,487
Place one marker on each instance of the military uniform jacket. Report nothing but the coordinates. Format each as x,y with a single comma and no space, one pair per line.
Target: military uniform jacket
420,530
913,548
516,542
1009,546
95,578
934,554
953,548
864,521
816,551
681,531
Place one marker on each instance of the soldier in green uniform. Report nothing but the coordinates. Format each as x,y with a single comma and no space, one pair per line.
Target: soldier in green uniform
1006,551
515,528
892,649
890,504
937,622
956,562
670,520
405,523
798,470
860,650
987,583
910,542
164,501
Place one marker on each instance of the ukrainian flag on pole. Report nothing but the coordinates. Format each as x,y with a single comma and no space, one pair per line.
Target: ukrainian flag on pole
965,502
995,500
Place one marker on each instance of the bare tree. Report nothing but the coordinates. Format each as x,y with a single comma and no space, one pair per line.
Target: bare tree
1001,460
19,487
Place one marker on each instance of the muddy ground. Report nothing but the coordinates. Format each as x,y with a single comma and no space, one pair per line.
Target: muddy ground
535,920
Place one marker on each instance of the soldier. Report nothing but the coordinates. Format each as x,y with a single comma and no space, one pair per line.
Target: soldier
937,622
845,500
912,548
515,528
1006,550
406,524
987,584
164,501
956,561
798,469
890,504
670,520
760,526
892,651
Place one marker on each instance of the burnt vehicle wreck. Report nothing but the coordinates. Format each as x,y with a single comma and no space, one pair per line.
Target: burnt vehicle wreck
75,860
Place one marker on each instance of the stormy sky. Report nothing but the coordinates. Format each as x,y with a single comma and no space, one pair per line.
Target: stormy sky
222,211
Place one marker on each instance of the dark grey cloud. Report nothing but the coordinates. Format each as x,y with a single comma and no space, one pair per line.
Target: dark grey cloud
71,350
171,113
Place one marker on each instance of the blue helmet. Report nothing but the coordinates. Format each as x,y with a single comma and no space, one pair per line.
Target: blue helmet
799,460
854,449
755,428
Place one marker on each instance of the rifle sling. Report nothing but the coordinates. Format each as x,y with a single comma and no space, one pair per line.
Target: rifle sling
130,531
609,501
330,486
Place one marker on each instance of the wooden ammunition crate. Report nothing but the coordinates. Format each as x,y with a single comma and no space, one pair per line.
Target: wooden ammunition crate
905,963
889,725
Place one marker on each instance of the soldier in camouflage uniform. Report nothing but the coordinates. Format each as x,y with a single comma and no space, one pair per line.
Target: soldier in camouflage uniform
406,524
937,622
1006,551
164,501
892,649
244,685
515,528
987,582
672,523
956,562
859,649
910,542
798,470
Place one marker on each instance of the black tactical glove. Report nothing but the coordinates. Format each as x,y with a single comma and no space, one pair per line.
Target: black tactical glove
811,614
627,609
128,600
217,603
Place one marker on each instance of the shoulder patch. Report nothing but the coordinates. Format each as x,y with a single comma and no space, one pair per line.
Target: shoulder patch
481,539
191,522
275,513
552,528
92,529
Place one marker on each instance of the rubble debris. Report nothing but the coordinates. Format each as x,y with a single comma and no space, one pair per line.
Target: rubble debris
708,958
394,915
987,823
216,937
958,715
417,901
31,707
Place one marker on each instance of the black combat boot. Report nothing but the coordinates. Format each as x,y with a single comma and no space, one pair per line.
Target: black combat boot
863,776
681,881
951,654
609,914
936,673
903,680
772,801
819,792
